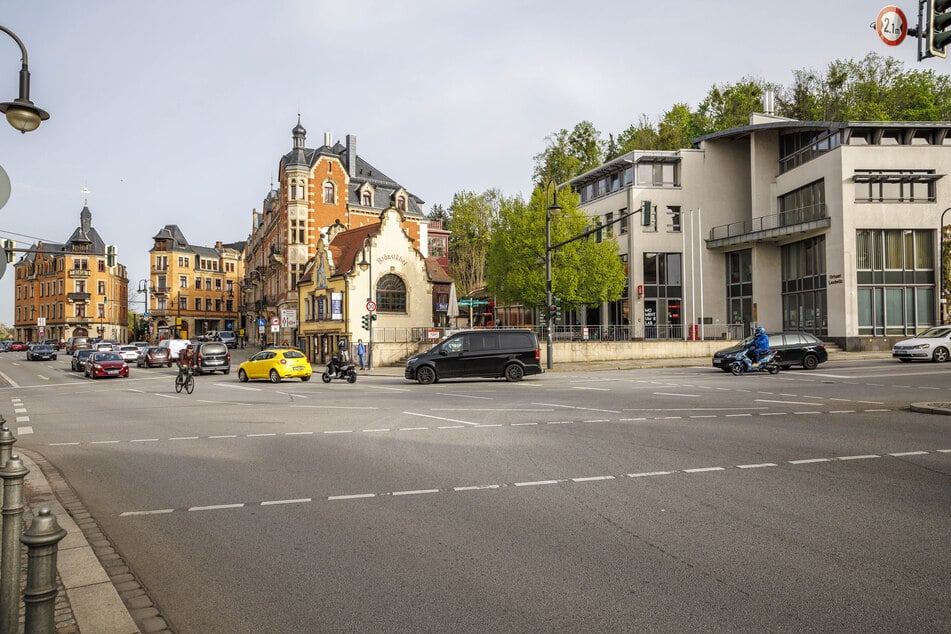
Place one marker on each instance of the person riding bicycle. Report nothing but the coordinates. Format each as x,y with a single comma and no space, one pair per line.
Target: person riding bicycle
759,345
186,360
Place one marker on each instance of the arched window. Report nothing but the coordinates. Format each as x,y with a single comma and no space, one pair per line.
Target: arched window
391,294
329,193
401,203
366,199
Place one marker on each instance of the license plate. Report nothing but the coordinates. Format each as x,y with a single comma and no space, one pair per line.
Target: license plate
112,372
298,368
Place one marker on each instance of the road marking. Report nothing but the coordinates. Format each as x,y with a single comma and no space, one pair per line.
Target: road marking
165,395
155,512
536,483
225,436
810,460
703,469
648,474
451,427
374,430
673,394
416,492
239,387
522,424
593,478
773,414
9,380
450,420
488,409
63,444
295,501
763,400
734,415
599,389
339,431
23,419
216,507
20,410
862,457
145,440
806,413
260,435
104,442
292,395
909,453
27,429
756,466
592,409
487,398
356,496
478,487
298,433
184,438
703,416
413,428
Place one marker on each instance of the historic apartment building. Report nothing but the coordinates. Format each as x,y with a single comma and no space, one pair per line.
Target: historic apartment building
316,188
829,228
194,289
77,288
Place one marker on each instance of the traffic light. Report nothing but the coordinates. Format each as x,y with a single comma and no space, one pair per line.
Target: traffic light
646,208
8,246
939,27
366,321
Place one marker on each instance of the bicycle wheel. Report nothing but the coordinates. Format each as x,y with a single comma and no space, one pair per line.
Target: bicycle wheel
179,383
190,384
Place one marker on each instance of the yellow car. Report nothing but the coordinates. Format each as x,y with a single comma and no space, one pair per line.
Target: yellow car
276,364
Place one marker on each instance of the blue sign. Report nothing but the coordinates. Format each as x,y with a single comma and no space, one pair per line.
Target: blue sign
228,325
261,322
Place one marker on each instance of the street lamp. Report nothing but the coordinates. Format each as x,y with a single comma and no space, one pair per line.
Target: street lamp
102,313
21,113
548,211
366,264
249,285
941,297
144,288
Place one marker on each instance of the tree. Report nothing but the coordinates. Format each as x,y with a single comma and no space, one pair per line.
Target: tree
438,212
639,136
584,272
472,218
569,154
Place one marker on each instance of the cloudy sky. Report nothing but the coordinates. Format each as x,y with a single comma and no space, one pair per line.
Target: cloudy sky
177,112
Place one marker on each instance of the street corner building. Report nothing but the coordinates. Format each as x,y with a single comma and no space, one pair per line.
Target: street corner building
830,228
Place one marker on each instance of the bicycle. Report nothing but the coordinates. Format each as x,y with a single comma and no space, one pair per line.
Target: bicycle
185,379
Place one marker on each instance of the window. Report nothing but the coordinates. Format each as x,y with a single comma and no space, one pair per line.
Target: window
391,294
674,213
297,234
804,204
739,287
198,283
662,296
329,193
198,303
401,203
625,222
161,262
102,266
895,275
366,199
609,224
182,281
804,286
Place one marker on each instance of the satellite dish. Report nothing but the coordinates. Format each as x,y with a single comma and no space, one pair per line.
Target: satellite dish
4,188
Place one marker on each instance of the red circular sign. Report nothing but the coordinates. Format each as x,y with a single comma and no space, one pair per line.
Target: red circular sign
371,307
891,25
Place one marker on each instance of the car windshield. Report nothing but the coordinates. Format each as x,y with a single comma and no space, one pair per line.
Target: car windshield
107,356
935,333
293,354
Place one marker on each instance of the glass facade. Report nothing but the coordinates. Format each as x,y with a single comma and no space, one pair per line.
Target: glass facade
895,278
663,296
739,288
804,286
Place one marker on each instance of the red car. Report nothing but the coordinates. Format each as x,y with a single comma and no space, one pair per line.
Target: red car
152,356
17,346
100,364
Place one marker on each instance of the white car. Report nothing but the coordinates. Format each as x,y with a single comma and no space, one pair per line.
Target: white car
129,353
934,344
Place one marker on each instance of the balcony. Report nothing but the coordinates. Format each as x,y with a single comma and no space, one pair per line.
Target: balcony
74,298
78,273
160,290
770,228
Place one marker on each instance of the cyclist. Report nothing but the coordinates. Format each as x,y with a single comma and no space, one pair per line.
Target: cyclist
186,361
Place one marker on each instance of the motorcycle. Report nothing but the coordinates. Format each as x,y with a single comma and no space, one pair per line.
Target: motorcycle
743,363
337,370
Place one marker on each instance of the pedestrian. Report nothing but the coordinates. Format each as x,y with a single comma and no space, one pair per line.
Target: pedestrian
361,353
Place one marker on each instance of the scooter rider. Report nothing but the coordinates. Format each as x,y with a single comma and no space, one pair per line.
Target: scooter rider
340,359
759,346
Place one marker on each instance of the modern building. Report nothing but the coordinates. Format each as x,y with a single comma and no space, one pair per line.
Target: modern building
317,188
194,289
375,263
77,288
826,227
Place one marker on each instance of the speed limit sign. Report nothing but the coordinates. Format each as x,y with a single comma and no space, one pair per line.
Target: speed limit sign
371,306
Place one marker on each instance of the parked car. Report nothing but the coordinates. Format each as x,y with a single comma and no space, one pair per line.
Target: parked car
228,338
141,345
510,353
5,346
103,364
77,343
175,346
78,360
154,356
103,346
41,352
128,353
276,364
212,356
933,344
794,348
17,346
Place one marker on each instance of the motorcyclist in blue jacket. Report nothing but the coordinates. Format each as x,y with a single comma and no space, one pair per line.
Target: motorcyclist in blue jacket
759,346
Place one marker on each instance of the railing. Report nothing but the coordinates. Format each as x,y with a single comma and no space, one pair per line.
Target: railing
776,221
77,297
76,273
579,333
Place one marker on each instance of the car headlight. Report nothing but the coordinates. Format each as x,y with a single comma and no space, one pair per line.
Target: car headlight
921,346
412,360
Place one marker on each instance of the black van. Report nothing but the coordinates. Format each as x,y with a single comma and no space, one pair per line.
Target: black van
478,353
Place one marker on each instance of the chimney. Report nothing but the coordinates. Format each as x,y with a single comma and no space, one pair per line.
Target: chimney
328,138
218,244
352,154
255,219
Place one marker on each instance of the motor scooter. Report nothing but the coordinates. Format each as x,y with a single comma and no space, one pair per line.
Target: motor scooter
338,370
743,363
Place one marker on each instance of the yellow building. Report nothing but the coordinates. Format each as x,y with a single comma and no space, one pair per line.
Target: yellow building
73,289
194,289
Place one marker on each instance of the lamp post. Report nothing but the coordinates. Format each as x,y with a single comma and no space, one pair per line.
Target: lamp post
548,211
21,113
941,266
252,305
144,288
366,264
102,314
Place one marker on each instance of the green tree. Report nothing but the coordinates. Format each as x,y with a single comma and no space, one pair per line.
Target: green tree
472,218
568,154
639,136
438,212
584,272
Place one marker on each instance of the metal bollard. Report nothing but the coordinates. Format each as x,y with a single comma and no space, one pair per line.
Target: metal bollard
41,539
13,473
6,450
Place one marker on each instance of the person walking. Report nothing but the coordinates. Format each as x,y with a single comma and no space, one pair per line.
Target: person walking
361,354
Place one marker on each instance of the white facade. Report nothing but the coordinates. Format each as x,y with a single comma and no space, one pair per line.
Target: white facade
829,228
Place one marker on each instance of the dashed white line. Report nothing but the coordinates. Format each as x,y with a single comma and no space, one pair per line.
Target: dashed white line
416,492
339,431
23,419
478,487
374,430
262,435
298,433
594,478
104,442
703,469
449,420
673,394
908,453
648,474
216,507
355,496
26,429
861,457
295,501
183,438
756,466
810,460
413,428
144,440
225,436
155,512
536,483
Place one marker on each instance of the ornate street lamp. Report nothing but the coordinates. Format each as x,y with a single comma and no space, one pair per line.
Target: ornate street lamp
366,264
21,113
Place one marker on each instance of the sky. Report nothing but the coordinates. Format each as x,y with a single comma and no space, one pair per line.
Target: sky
178,112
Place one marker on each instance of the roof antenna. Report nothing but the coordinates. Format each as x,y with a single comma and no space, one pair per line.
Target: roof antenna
85,193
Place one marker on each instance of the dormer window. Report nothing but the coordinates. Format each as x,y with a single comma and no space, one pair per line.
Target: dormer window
366,199
401,203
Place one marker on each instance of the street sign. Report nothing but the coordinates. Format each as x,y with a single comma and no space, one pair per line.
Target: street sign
371,307
41,321
891,25
275,322
289,318
261,322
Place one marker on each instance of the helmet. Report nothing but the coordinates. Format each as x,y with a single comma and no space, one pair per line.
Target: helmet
342,344
759,330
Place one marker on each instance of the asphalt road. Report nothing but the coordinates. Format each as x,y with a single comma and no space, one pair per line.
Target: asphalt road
663,499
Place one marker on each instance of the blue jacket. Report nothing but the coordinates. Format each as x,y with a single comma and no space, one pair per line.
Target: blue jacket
760,342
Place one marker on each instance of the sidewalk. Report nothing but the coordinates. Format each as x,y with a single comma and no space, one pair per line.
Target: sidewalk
98,594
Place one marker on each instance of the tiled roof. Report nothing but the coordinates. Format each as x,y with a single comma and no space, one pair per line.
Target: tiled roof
347,245
437,274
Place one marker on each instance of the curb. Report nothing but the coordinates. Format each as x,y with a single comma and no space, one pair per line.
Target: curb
932,408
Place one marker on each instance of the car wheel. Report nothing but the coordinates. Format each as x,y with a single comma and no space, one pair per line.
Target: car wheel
305,379
810,362
514,372
940,355
905,360
227,371
425,375
242,376
169,364
275,377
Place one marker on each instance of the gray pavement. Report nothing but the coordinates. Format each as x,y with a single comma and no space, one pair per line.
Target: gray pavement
100,594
